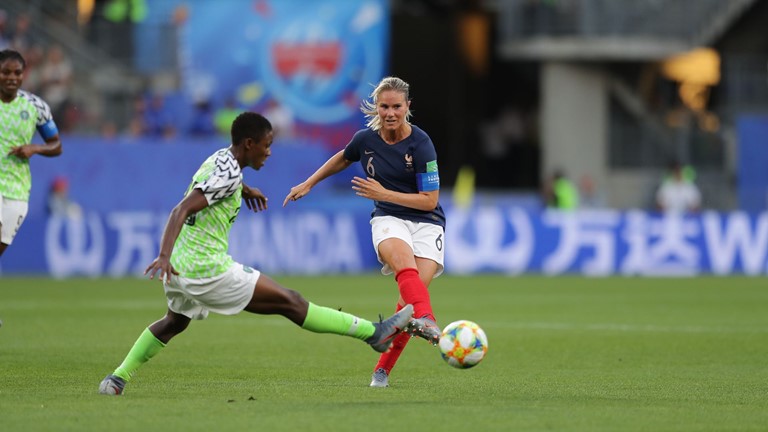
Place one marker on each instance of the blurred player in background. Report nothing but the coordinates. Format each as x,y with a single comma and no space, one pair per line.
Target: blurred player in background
199,276
678,192
21,114
407,222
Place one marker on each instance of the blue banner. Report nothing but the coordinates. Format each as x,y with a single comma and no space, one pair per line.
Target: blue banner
310,61
605,242
335,238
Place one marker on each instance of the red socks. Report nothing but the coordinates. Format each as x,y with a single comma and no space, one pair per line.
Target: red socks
414,292
388,359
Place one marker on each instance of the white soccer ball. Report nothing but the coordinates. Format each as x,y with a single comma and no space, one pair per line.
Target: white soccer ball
463,344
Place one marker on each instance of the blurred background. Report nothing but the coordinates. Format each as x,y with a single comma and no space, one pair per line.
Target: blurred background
565,129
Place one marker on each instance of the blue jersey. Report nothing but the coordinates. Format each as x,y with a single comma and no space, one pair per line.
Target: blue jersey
409,166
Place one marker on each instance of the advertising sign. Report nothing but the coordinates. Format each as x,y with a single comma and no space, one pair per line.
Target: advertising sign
311,61
336,239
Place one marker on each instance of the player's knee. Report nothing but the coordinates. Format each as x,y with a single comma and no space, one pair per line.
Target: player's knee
176,323
402,262
294,300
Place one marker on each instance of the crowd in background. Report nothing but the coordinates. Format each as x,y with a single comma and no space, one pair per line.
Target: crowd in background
49,72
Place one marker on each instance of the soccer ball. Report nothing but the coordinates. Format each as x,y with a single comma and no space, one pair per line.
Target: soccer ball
463,344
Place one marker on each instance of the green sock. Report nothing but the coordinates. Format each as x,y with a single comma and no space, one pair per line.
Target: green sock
146,346
321,319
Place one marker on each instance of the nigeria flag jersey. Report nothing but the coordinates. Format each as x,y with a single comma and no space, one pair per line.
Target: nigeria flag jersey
18,121
201,250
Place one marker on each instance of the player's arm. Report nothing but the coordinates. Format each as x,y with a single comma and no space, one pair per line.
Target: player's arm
51,148
333,165
427,193
191,204
372,189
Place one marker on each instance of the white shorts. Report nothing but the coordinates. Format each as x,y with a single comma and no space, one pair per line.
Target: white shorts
12,214
227,294
425,239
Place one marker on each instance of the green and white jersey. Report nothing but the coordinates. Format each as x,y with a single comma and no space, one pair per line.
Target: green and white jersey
201,250
18,121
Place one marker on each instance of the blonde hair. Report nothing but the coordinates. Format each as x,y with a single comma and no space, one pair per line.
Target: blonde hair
368,107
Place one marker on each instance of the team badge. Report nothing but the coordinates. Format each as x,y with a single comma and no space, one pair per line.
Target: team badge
408,162
24,115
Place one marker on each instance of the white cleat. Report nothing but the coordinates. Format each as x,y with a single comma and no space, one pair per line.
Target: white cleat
380,378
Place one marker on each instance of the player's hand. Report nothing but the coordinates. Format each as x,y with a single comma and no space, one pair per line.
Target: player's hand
369,188
164,267
298,191
254,199
24,151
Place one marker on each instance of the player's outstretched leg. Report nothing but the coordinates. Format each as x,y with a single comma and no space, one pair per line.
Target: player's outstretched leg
426,328
387,330
269,297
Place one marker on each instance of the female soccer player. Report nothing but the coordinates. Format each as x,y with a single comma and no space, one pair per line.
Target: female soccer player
21,113
407,223
199,275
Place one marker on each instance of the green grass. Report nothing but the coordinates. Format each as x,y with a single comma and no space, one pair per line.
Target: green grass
566,354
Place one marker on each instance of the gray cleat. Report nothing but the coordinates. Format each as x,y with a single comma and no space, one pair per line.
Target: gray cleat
387,330
112,385
424,328
380,378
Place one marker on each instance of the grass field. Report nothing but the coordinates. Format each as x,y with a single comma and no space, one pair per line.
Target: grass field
566,354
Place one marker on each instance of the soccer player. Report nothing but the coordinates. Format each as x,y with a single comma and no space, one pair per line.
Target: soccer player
678,193
407,223
199,276
21,113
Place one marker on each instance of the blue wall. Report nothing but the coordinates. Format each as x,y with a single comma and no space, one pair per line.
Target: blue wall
753,163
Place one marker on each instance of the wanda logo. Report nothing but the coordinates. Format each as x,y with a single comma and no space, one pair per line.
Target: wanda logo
315,58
